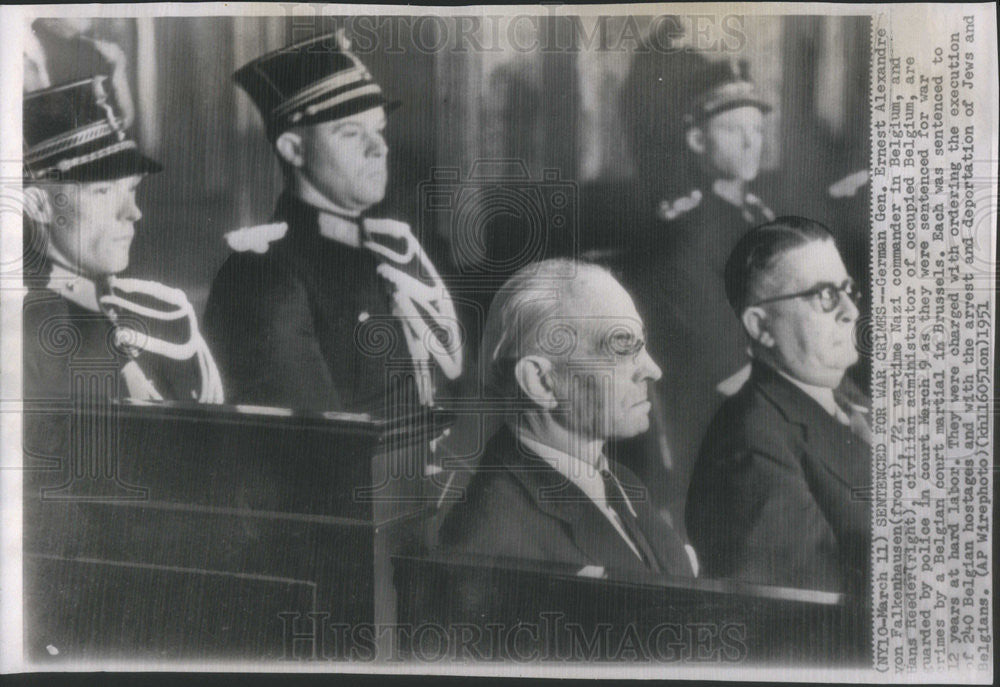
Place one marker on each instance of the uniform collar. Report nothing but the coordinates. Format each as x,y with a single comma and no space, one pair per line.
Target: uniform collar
335,223
719,189
331,222
339,229
73,287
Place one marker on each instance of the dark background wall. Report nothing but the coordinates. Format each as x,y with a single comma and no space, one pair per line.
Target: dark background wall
482,97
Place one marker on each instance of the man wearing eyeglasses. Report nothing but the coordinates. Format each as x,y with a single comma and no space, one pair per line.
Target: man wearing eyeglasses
564,356
778,495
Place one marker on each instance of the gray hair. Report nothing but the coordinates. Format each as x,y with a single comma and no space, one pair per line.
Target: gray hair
524,319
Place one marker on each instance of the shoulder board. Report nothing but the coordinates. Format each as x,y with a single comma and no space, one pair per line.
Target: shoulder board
671,210
765,211
849,185
257,239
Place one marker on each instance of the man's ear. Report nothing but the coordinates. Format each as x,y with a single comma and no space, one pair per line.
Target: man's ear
291,149
37,205
755,323
695,138
533,375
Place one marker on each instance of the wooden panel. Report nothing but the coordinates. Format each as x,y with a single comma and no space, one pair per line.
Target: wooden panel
661,619
246,524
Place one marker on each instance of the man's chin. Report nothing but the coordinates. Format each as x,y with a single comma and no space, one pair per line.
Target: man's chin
634,429
850,359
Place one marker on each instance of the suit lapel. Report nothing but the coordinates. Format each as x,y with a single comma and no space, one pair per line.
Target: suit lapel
844,455
558,497
667,545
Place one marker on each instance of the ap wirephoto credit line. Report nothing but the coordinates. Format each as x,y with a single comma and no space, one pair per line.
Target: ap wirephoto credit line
602,340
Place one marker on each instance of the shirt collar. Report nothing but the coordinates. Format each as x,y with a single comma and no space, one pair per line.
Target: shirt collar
583,473
821,394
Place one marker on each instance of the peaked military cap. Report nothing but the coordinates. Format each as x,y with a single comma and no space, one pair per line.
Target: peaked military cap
719,86
73,132
314,81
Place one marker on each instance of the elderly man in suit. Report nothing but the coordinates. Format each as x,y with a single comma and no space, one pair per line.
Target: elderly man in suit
564,350
778,494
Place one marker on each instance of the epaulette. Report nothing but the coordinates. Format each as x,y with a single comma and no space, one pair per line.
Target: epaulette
849,185
257,239
671,210
751,199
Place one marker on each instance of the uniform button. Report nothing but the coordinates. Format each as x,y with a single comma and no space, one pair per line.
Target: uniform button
363,315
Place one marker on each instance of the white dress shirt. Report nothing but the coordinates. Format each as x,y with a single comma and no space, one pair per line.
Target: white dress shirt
822,395
585,475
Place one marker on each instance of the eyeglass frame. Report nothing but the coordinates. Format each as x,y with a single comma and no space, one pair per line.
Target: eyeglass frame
848,287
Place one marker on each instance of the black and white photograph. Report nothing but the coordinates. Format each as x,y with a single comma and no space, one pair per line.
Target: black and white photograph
600,340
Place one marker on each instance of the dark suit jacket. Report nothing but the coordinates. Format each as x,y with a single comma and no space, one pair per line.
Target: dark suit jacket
780,492
517,506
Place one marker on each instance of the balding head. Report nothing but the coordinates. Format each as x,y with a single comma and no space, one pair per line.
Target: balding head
565,336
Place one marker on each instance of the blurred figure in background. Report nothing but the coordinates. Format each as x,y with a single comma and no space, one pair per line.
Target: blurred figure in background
326,309
723,138
61,50
678,275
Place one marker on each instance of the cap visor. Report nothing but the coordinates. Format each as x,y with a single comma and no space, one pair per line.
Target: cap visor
352,107
119,165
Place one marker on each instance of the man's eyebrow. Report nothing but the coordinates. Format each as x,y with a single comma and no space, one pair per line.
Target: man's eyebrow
337,126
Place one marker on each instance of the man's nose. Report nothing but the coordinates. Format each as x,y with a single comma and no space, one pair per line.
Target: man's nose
648,369
848,311
128,210
377,146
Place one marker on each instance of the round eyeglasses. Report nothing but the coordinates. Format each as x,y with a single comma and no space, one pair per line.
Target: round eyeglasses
826,294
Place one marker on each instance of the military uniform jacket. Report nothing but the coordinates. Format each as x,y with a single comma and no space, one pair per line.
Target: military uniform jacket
76,358
307,323
519,507
780,492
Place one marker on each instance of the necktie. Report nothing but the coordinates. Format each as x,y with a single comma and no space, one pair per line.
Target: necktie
856,418
613,493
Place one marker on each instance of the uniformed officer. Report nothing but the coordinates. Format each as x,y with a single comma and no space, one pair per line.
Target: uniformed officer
723,135
677,276
324,308
81,175
92,339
